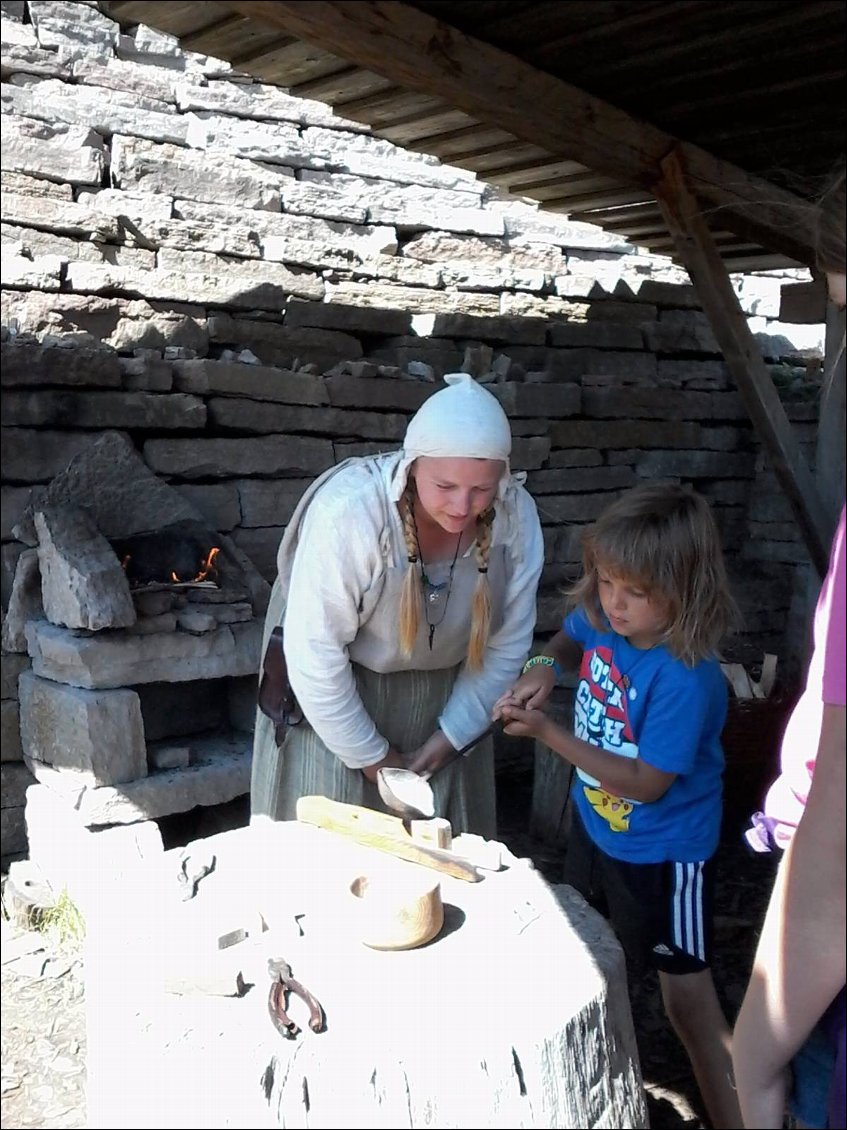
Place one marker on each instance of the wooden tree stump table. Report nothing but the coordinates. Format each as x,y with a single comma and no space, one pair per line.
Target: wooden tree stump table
515,1015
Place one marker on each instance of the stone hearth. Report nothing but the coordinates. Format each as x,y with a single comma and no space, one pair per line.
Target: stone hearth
140,701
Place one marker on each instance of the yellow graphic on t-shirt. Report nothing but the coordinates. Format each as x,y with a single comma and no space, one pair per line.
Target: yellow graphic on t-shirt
613,809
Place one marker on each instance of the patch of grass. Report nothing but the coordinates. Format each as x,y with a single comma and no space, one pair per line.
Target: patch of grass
62,923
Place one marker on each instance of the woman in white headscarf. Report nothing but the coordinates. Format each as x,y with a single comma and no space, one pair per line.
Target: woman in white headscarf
406,592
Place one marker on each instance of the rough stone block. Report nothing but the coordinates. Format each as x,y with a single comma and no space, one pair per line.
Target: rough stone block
96,736
82,582
32,456
529,454
605,434
696,465
169,756
77,105
269,503
543,400
218,284
378,393
10,728
15,779
116,322
30,363
41,273
217,502
12,666
72,857
122,660
13,505
252,381
119,490
241,704
141,410
13,837
150,167
231,458
24,602
595,335
219,772
261,547
56,152
258,416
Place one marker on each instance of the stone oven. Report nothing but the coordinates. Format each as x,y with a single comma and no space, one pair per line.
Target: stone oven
144,631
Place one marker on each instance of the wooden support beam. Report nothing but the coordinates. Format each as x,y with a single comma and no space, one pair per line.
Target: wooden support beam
421,53
696,250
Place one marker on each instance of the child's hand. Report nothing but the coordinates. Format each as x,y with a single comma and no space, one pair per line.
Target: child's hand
530,691
520,723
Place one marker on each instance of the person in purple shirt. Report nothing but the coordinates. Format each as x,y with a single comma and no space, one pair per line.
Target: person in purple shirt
789,1040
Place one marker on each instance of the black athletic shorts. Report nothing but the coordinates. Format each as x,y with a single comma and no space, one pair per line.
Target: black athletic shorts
661,912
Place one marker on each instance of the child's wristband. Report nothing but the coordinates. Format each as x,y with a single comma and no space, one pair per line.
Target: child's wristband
542,661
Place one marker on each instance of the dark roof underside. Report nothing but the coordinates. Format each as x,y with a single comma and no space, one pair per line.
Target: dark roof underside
758,85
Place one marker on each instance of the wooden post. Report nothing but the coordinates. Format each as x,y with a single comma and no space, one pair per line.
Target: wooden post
697,251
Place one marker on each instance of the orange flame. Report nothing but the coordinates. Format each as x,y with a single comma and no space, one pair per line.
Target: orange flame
208,563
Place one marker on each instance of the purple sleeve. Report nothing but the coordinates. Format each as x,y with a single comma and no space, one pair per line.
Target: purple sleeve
832,604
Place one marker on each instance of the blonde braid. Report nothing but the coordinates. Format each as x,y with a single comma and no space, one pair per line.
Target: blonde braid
410,593
481,613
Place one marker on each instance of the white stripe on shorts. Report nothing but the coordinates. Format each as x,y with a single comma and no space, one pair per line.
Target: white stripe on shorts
688,909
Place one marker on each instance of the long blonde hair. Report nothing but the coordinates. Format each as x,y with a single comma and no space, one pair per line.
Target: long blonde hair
412,595
663,538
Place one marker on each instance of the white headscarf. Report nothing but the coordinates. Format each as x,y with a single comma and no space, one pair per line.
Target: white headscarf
462,421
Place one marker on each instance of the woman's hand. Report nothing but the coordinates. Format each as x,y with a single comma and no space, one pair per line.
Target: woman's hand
530,691
392,760
431,755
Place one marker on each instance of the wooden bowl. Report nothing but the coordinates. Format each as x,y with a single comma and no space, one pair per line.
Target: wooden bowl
396,910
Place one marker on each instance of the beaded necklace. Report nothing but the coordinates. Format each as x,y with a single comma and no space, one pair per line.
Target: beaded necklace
432,591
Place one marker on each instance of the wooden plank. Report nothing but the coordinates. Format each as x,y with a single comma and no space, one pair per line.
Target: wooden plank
498,156
407,130
341,85
175,18
232,36
609,198
388,105
491,85
697,251
467,141
295,62
647,211
530,159
804,303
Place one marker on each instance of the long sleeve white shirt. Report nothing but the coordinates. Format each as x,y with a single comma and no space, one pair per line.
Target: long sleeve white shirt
343,561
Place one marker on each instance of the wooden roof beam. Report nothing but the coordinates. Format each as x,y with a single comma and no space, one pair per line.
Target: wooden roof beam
696,249
421,53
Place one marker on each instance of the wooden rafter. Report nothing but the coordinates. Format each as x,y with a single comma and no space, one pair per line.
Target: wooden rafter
496,88
697,251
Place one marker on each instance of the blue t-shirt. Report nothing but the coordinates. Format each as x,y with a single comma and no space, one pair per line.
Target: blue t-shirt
647,704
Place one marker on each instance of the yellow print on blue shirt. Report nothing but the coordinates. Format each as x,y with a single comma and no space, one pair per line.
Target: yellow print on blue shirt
601,718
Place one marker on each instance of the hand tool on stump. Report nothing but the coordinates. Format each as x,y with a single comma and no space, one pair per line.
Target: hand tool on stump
281,983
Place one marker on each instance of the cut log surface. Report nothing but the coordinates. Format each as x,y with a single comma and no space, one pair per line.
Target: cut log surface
515,1015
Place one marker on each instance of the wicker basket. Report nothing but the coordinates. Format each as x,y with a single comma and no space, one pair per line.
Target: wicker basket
751,741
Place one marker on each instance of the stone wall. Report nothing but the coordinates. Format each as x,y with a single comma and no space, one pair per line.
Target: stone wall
251,288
